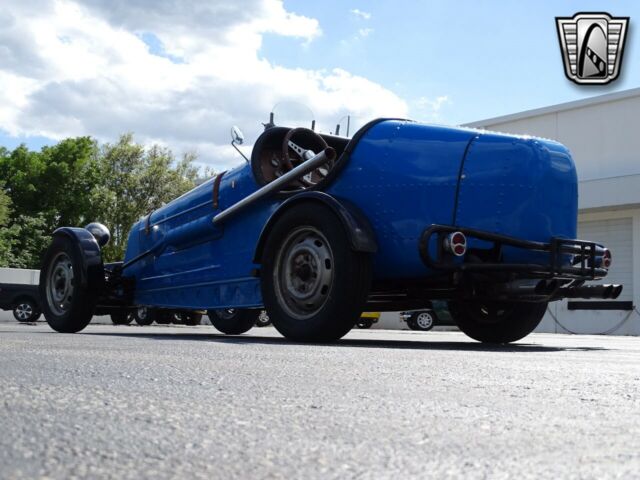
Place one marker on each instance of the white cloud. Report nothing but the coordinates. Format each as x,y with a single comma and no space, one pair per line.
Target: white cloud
82,68
428,109
361,14
365,32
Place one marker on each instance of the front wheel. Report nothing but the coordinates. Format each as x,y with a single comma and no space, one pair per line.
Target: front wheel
314,285
497,322
233,321
67,302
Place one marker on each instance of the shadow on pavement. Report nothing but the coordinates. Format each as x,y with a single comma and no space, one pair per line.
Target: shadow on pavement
348,342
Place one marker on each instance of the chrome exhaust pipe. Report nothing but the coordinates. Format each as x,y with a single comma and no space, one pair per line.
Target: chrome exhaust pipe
616,291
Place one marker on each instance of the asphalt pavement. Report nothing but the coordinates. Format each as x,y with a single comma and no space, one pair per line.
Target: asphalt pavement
186,402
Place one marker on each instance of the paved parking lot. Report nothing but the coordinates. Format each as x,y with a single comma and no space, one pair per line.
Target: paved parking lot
162,402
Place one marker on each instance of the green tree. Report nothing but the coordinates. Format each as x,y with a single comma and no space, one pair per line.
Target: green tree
76,182
5,233
134,182
56,183
28,239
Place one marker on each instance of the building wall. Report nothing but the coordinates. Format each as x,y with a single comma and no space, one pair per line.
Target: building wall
603,137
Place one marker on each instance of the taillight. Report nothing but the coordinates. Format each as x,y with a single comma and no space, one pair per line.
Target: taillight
456,243
606,259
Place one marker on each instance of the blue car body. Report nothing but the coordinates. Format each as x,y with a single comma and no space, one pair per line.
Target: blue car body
397,178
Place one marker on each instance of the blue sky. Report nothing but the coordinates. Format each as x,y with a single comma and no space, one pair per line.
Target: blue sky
489,58
182,74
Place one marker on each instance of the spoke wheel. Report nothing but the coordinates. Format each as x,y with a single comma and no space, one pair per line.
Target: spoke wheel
26,311
424,321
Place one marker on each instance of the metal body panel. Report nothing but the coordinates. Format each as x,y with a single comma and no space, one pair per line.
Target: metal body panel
518,186
400,176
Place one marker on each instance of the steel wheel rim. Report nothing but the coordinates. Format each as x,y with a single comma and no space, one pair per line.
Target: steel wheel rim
59,286
304,273
424,320
24,311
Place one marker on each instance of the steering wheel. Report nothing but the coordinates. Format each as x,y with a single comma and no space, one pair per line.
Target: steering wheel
299,145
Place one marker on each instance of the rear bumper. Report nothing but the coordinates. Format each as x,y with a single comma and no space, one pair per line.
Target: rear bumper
585,264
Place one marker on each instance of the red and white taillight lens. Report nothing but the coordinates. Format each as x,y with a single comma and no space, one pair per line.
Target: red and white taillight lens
606,259
456,243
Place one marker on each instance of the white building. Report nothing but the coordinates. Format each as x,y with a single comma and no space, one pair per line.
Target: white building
603,136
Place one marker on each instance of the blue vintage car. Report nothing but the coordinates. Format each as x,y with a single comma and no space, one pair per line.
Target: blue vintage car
318,228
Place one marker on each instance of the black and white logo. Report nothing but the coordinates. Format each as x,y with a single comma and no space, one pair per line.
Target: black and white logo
592,45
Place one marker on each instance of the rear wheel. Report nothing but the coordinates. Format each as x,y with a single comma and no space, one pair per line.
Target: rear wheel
26,310
67,304
497,322
313,284
233,321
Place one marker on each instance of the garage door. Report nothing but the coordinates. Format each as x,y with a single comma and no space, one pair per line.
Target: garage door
616,234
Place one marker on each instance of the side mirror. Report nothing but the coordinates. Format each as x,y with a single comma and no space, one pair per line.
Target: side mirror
236,135
236,139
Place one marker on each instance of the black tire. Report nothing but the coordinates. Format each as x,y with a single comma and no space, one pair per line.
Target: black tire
364,323
121,318
165,317
328,283
411,324
67,304
190,319
144,316
263,319
233,321
423,321
497,322
26,310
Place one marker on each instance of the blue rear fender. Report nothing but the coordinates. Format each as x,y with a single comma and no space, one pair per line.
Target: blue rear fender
521,187
403,177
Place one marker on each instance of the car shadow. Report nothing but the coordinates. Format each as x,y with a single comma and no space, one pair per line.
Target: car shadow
345,342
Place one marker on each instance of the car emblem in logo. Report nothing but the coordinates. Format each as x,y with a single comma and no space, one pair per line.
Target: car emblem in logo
592,45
